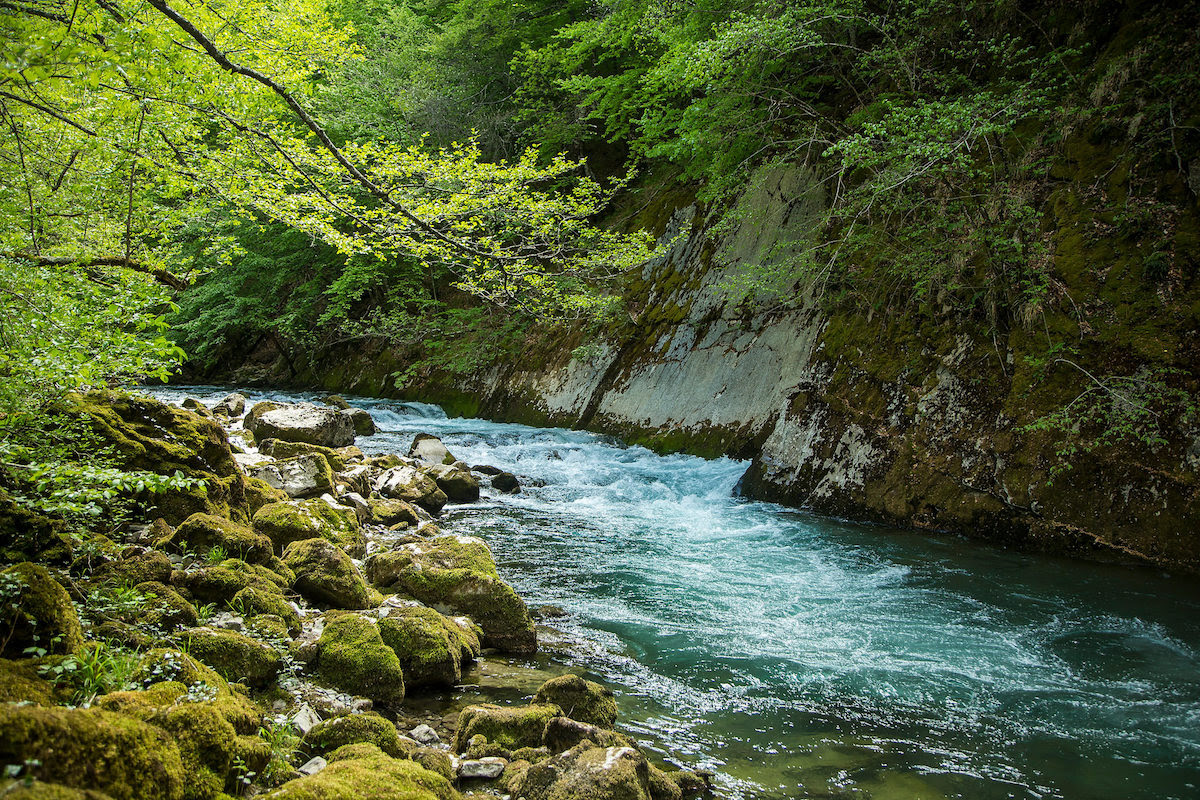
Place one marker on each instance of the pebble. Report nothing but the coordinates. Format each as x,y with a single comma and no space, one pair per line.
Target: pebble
305,719
425,734
313,766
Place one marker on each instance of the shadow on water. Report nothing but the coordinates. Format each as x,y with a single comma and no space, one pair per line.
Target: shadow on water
801,656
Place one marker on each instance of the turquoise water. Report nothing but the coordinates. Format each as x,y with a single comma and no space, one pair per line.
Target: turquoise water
800,656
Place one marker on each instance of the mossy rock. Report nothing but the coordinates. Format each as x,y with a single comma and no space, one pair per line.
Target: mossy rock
392,512
253,601
149,435
256,411
284,523
270,627
325,575
38,612
339,458
146,703
351,656
150,565
588,771
20,682
122,634
456,575
28,536
428,645
40,790
580,699
219,583
163,607
234,656
200,533
434,760
370,728
510,727
563,733
123,757
260,493
356,772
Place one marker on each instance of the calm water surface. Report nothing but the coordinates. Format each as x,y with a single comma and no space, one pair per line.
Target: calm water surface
800,656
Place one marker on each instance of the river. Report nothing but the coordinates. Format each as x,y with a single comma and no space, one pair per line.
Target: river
801,656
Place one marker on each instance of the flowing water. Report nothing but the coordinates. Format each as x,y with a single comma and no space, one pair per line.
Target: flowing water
799,656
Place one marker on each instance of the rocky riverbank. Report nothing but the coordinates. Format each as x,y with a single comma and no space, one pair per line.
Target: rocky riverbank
274,628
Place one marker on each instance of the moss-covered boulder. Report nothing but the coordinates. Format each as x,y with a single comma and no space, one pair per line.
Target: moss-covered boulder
339,458
134,568
356,772
351,656
370,728
259,493
307,475
429,646
456,480
219,583
411,485
563,733
235,657
256,411
123,757
254,601
361,419
40,790
163,608
284,523
36,611
28,536
200,533
456,574
149,435
392,512
587,771
580,699
20,682
325,575
510,727
434,760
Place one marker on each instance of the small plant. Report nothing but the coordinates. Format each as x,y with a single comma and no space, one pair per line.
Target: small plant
200,692
279,735
242,774
206,611
23,773
216,554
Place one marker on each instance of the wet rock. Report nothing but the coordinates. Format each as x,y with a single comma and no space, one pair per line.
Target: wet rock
363,422
509,727
430,449
336,401
351,655
428,645
563,733
580,699
411,485
300,476
325,575
425,734
507,483
486,469
392,512
303,423
456,481
37,612
234,405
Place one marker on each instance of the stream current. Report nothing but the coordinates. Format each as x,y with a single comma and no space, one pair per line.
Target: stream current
801,656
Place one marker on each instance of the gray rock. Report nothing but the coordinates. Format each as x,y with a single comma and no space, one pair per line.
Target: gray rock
456,481
410,484
506,482
425,734
304,719
360,506
232,404
301,476
488,768
313,766
304,423
430,450
361,420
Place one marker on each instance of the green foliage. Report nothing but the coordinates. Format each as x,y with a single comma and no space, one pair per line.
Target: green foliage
95,670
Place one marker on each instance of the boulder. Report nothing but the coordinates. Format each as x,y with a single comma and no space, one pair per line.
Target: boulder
370,728
192,404
303,422
162,607
351,656
254,601
218,583
234,657
603,773
435,760
200,533
430,449
124,758
363,422
580,699
356,478
257,410
456,481
36,611
392,512
306,475
259,493
563,733
20,682
339,458
428,645
506,482
360,771
325,575
488,768
410,484
456,575
284,523
234,405
336,401
137,567
509,727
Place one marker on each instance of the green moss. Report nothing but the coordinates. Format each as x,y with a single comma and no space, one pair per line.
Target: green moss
253,601
284,523
234,656
362,771
20,682
221,582
38,613
580,700
427,645
214,755
201,532
163,607
39,790
434,760
259,493
28,536
392,512
509,727
326,575
125,758
150,565
268,626
337,458
352,657
490,602
370,728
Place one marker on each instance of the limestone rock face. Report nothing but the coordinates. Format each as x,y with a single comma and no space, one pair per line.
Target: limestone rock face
305,475
303,422
411,485
325,575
